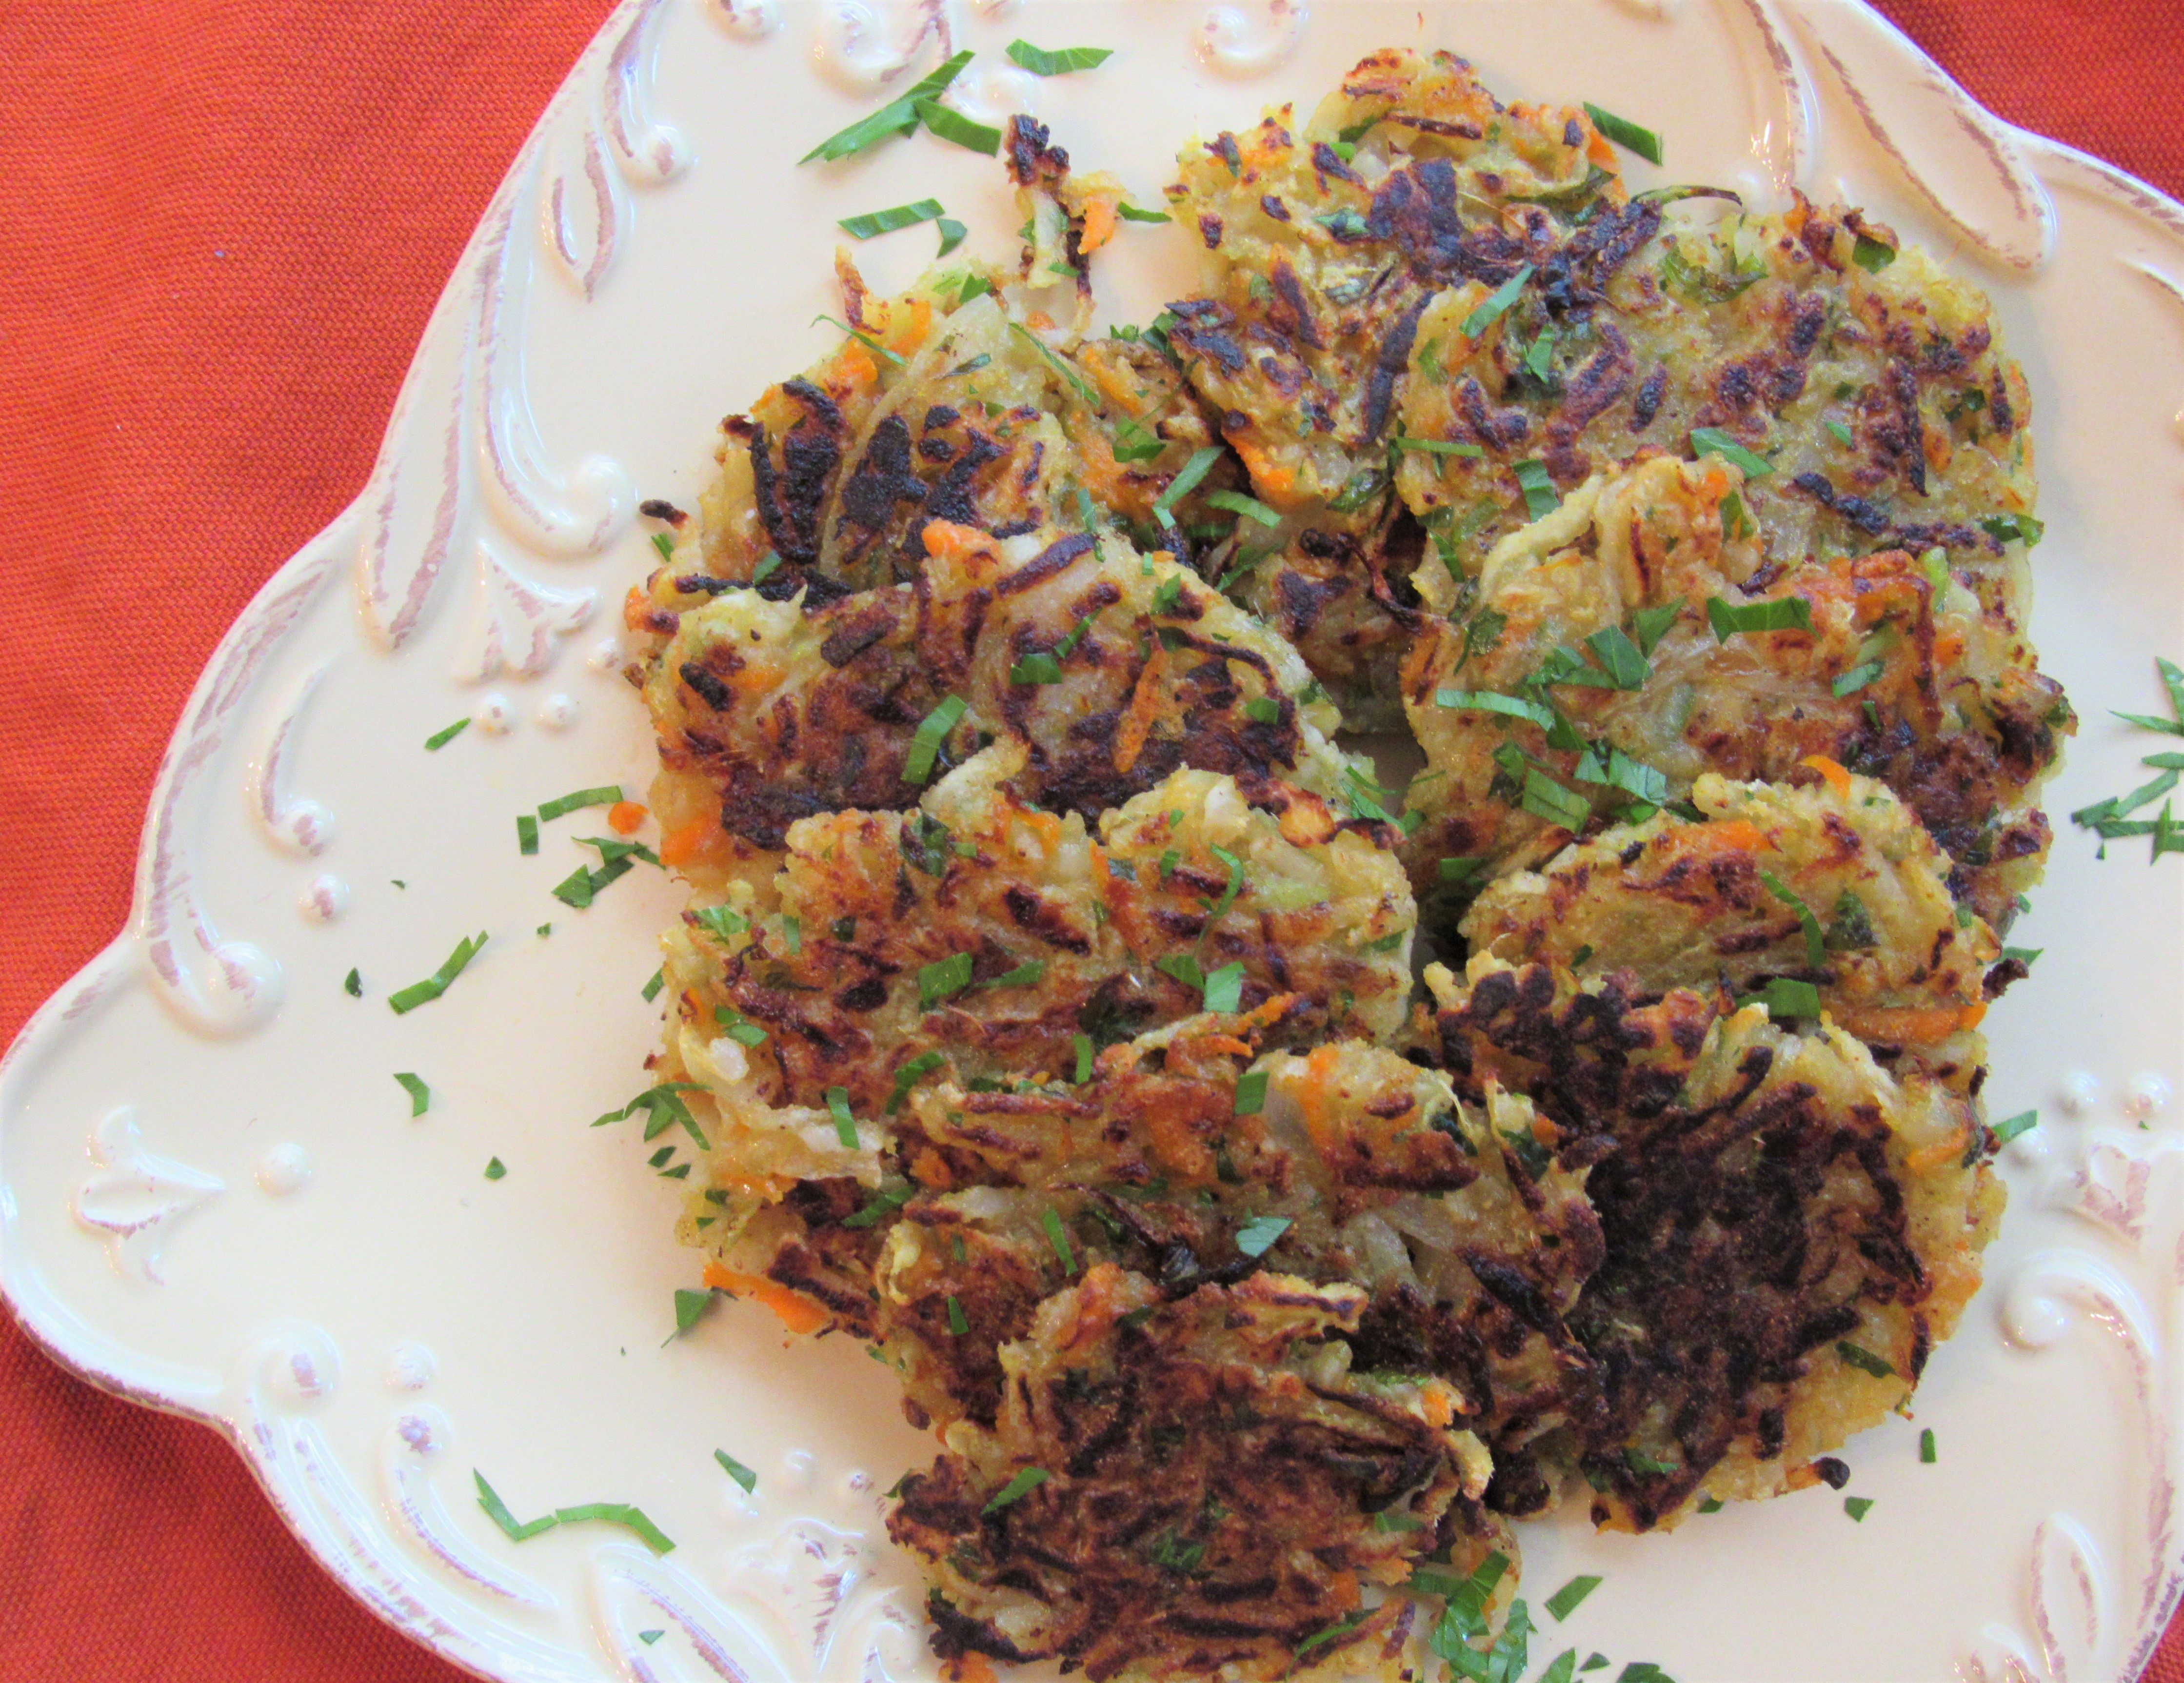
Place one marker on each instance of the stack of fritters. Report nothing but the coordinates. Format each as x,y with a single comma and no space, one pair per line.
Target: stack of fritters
1046,998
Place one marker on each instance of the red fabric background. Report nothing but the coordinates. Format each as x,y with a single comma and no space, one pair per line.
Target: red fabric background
226,223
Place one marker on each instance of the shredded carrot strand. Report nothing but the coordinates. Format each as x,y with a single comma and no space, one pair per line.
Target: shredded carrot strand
1099,223
686,843
947,540
799,1314
1928,1158
1144,703
1838,778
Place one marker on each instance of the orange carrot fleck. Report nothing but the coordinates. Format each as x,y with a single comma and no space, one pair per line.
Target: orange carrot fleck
1928,1158
946,540
701,838
1838,778
626,816
1144,703
1099,223
799,1314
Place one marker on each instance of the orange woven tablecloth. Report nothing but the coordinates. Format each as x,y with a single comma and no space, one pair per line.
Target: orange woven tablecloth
225,222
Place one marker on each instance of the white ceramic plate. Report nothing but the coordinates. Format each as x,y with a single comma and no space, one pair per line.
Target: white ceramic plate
213,1198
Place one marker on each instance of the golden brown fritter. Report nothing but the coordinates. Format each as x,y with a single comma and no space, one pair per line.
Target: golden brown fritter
1172,1489
1682,905
1872,384
983,929
1323,249
1587,635
1111,669
1790,1229
1352,1164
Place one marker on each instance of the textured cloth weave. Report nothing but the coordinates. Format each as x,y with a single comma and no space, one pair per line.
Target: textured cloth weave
226,223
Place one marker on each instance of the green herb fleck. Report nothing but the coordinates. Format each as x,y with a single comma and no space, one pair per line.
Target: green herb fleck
417,993
951,125
1711,441
1025,1482
441,738
1858,1357
353,985
1496,304
1538,485
932,731
1857,1507
1778,613
1625,133
736,1469
1564,1601
420,1095
2010,1127
1060,61
1257,1235
897,117
875,222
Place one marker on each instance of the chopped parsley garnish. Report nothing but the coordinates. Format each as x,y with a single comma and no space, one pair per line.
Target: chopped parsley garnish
1185,481
1250,507
606,795
932,731
1816,946
1858,1357
1060,61
1184,968
1857,677
353,985
1387,1519
1851,927
664,1108
959,1324
909,1075
952,234
648,1637
1235,884
1169,591
1785,999
581,885
1131,212
420,1095
658,980
767,565
691,1308
441,738
494,1168
879,350
2010,1127
1058,1237
1841,432
736,1469
1083,1045
1927,1455
1871,255
1564,1601
664,543
2026,956
1640,1463
890,1199
1342,1627
1544,798
1250,1092
1224,988
720,921
1711,441
1023,975
1025,1482
1263,710
1562,1669
628,1515
2024,528
1438,448
2172,678
1712,1504
497,1511
1638,1671
1778,613
417,993
845,1125
1623,660
1370,802
874,222
1132,443
951,125
1538,485
1257,1235
1490,701
1857,1507
526,834
1625,133
1343,223
897,117
1496,304
942,979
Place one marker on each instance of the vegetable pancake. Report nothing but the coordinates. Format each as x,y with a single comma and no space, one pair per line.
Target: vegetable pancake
1044,1013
